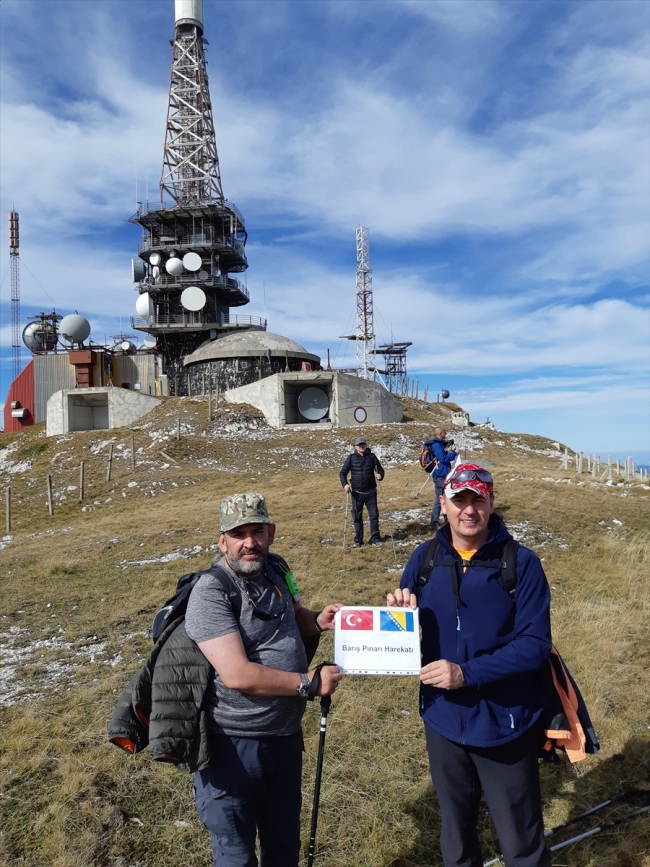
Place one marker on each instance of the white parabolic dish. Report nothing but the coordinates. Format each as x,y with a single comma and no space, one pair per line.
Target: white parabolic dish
174,267
193,298
192,261
149,341
144,305
154,259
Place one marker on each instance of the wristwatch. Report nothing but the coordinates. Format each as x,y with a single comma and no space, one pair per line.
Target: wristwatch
303,689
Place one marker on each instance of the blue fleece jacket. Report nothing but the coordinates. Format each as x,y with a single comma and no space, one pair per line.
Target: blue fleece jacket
445,459
498,643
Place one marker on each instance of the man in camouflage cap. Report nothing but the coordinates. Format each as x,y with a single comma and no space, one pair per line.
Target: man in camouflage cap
257,691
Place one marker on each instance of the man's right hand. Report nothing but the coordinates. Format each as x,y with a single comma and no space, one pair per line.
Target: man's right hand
402,599
330,677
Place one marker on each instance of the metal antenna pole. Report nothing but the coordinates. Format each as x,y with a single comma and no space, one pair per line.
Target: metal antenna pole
14,243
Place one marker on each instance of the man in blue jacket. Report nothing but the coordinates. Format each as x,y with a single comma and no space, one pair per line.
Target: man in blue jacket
442,461
478,697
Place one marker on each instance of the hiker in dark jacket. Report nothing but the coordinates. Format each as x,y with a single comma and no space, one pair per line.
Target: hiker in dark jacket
256,695
442,461
478,698
365,471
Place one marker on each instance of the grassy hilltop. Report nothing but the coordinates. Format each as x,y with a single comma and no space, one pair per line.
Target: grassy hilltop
79,590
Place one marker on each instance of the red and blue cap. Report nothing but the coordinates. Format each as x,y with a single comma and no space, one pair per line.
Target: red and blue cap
469,477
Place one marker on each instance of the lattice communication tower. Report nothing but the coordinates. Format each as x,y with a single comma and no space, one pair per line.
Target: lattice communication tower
14,258
190,171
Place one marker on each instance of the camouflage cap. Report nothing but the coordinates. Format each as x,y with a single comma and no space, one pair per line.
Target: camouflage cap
239,509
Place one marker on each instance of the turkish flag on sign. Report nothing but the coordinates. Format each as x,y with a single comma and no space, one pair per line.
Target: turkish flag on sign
356,619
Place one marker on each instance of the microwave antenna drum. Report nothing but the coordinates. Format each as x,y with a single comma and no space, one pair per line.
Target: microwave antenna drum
193,298
174,267
144,305
192,261
313,403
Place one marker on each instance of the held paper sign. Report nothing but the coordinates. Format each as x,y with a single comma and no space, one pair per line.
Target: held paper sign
377,640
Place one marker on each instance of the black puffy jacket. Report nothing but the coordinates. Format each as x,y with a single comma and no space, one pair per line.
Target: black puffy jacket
362,470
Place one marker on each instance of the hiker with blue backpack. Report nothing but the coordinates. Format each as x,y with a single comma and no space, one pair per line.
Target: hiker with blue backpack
437,460
483,639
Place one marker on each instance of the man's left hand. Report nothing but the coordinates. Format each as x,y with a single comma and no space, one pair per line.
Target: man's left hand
378,477
442,674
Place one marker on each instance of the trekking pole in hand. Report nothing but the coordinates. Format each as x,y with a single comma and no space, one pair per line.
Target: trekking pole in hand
345,519
417,473
325,703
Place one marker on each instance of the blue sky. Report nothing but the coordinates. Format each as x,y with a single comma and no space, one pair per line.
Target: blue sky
497,152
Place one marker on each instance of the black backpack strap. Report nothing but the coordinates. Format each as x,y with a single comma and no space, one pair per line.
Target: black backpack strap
509,567
430,557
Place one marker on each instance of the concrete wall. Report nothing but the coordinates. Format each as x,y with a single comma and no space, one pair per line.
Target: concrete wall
353,402
74,409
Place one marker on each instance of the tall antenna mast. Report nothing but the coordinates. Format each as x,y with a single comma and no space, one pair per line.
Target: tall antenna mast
14,243
365,334
190,172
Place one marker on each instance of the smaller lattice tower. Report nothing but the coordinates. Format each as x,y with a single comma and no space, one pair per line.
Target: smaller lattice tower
14,258
364,336
396,372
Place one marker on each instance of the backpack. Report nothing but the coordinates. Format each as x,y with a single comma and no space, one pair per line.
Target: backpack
176,605
565,723
428,461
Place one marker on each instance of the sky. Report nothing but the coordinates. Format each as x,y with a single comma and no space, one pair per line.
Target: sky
496,150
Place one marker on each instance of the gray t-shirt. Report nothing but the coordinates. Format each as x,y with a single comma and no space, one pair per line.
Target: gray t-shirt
275,643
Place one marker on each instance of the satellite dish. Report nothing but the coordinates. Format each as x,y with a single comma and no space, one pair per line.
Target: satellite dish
149,341
193,298
155,272
216,272
192,261
444,393
203,275
137,270
313,403
155,259
144,305
74,328
174,267
36,339
126,345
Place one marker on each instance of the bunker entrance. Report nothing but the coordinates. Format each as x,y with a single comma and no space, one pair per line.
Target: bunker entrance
88,412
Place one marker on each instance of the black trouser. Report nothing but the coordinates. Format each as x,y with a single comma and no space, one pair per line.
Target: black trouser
439,482
509,778
369,499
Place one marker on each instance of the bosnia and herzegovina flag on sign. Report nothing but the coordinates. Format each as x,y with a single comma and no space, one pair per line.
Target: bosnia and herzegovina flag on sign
396,621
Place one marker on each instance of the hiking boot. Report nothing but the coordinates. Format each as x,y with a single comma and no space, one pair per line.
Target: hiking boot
358,545
375,542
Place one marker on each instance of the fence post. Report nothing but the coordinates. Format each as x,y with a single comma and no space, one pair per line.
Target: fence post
426,394
50,507
81,481
580,457
178,428
8,509
588,463
609,466
132,450
109,468
618,467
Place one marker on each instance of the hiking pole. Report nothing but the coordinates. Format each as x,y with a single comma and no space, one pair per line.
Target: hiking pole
414,475
423,484
551,831
325,703
345,519
385,505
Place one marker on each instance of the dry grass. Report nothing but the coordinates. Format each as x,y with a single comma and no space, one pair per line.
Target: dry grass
76,608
